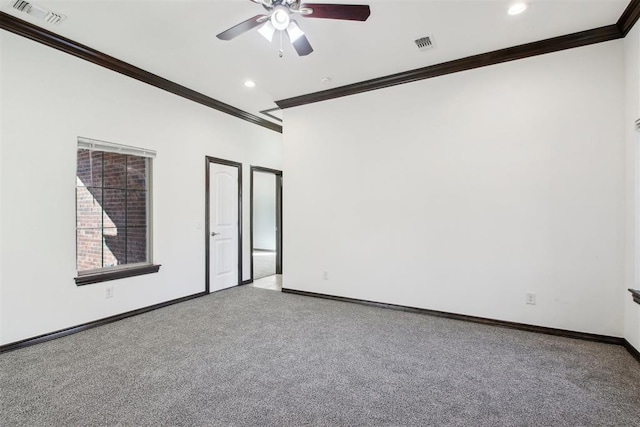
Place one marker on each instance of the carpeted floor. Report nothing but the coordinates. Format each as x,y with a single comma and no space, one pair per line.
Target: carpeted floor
254,357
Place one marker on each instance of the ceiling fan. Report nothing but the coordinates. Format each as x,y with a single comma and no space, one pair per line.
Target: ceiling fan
279,18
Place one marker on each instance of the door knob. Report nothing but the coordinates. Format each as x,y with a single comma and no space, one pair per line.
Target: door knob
213,233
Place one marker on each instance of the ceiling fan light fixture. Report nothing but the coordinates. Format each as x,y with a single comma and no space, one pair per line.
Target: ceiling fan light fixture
294,32
280,18
517,8
267,31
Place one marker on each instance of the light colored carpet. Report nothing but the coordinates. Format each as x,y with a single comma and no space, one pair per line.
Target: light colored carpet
264,264
254,357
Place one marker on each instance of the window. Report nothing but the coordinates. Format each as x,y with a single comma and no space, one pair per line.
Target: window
113,211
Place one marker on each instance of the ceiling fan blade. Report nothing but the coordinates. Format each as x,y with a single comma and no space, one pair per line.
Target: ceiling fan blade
242,27
298,39
302,46
350,12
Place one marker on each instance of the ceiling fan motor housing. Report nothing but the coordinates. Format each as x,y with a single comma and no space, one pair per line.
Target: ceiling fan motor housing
280,18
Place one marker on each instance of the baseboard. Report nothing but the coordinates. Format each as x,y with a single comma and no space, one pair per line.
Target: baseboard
486,321
75,329
271,251
247,282
631,349
502,323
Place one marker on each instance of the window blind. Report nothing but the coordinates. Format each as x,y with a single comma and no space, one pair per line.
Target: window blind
110,147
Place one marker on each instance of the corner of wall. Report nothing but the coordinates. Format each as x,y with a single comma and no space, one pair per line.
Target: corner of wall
632,85
1,168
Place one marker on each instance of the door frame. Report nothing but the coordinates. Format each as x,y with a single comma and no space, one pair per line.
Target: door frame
208,161
278,176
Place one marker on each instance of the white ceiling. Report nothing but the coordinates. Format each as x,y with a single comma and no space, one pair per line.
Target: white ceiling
176,39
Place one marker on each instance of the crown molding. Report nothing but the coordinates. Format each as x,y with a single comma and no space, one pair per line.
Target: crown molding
48,38
569,41
598,35
269,111
629,17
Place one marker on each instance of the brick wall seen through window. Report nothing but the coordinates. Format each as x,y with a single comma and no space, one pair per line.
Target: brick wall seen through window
112,199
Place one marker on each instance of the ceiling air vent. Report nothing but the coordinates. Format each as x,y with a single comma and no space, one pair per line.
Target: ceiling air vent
425,43
38,11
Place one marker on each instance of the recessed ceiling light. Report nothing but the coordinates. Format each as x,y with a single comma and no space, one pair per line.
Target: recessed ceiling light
250,83
325,80
517,8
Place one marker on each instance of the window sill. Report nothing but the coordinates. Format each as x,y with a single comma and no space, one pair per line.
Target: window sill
88,279
636,295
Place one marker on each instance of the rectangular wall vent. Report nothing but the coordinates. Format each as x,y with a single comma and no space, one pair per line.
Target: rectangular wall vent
425,43
38,11
22,6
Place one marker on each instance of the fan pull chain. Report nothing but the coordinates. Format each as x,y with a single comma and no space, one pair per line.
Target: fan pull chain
280,52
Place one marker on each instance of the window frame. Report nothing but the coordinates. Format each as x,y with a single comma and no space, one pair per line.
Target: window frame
123,270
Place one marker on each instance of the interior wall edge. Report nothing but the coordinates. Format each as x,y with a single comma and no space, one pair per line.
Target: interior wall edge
632,184
1,198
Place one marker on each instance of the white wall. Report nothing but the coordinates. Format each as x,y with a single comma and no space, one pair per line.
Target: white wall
264,211
632,91
1,198
49,99
463,192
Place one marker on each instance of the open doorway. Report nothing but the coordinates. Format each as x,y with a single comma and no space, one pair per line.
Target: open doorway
266,228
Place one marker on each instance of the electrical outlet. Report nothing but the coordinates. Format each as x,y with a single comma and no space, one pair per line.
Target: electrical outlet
530,298
325,275
109,292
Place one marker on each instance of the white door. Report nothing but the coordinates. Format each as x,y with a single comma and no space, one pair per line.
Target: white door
223,226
